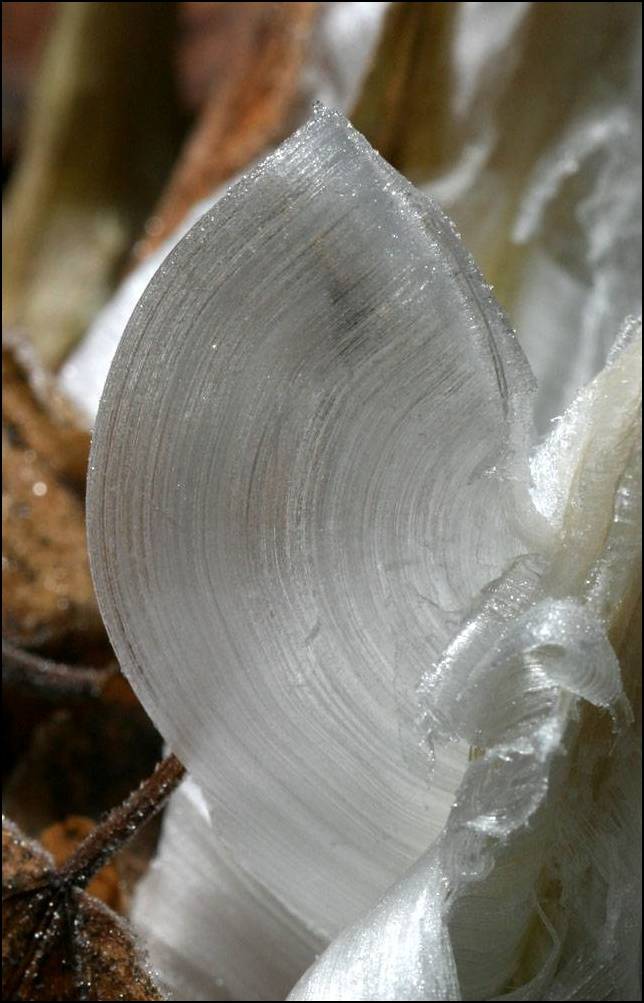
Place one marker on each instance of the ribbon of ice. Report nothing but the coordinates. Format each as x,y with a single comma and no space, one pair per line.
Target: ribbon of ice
321,553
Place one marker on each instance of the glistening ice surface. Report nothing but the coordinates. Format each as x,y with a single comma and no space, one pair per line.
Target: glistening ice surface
318,555
277,481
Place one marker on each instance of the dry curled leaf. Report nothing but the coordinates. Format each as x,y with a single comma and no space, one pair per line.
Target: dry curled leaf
47,596
253,55
59,943
44,423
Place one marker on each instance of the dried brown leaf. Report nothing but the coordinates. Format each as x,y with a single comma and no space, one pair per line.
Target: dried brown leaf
58,942
253,54
44,423
47,592
47,595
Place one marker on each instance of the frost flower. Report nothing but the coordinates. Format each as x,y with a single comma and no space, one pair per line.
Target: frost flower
389,634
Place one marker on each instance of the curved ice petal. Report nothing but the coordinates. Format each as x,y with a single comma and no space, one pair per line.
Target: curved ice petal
310,455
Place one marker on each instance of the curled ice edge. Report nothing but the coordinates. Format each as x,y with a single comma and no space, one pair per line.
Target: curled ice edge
480,824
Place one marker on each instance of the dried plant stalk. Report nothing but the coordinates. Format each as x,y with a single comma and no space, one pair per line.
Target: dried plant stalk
52,679
103,133
404,106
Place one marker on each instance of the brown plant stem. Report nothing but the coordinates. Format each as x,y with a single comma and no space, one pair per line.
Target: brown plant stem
121,824
48,678
110,835
102,133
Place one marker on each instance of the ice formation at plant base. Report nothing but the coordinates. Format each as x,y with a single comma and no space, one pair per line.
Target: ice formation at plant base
331,563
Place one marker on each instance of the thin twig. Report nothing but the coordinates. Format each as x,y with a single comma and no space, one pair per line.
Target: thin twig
49,678
51,899
121,824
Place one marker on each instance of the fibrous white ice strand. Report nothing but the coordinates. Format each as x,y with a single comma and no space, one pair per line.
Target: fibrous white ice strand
258,949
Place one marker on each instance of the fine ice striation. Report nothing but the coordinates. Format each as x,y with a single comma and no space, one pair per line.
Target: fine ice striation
295,359
209,925
330,562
